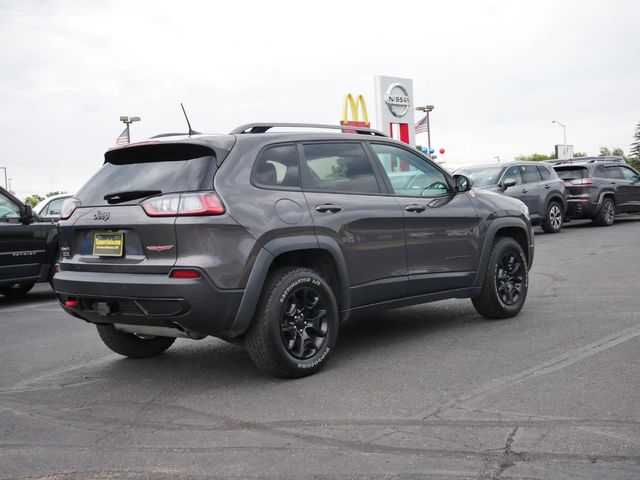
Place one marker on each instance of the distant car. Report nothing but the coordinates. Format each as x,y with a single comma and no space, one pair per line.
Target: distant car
600,188
50,207
534,183
28,247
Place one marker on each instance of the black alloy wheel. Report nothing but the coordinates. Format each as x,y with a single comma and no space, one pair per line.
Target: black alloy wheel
304,323
509,278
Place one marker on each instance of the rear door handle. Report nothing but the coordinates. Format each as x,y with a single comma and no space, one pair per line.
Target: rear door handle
328,207
547,186
415,208
613,183
524,190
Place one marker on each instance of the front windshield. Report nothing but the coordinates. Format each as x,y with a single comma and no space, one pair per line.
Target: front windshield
481,177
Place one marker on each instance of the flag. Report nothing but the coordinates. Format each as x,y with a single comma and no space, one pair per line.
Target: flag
422,125
123,139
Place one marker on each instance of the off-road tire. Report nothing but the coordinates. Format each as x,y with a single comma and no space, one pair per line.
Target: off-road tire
16,291
606,216
264,339
130,345
489,303
554,218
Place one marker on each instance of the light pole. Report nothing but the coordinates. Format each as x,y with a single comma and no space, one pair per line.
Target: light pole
564,129
6,184
427,109
9,183
128,121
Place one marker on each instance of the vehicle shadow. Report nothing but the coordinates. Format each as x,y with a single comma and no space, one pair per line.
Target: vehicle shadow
620,220
39,293
211,363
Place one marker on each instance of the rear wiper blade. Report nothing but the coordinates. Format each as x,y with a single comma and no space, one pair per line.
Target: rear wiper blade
119,197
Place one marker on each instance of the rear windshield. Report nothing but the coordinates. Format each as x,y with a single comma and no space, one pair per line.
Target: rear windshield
570,173
152,169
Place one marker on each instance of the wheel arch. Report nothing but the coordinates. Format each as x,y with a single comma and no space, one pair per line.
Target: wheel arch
513,227
320,254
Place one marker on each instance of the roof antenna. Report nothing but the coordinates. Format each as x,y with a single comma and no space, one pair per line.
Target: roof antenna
191,130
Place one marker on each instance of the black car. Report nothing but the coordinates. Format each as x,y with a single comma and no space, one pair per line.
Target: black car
275,238
534,183
28,246
600,188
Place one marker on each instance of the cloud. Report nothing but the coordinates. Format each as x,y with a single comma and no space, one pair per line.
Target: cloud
497,72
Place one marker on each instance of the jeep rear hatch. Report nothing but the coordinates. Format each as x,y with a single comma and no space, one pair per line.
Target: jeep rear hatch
125,214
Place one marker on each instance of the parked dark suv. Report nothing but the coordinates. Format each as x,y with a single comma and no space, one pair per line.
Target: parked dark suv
28,247
275,238
534,183
600,188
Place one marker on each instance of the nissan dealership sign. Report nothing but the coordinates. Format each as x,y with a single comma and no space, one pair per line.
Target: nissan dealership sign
397,99
394,108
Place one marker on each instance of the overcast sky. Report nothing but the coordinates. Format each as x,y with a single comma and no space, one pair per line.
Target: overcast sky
497,72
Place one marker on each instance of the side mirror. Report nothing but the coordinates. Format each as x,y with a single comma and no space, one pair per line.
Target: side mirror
463,184
509,182
28,212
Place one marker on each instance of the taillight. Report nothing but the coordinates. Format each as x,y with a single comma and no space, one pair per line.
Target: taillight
68,207
184,273
207,203
581,181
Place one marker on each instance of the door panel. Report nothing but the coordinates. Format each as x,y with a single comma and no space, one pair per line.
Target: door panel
367,227
628,190
441,227
22,248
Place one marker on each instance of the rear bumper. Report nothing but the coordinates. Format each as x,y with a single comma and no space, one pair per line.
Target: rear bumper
195,305
581,208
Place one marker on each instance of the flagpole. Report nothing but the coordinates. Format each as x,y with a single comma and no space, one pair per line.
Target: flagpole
429,132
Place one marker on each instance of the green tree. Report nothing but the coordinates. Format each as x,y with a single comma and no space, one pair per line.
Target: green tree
535,157
580,154
604,152
634,150
33,200
51,194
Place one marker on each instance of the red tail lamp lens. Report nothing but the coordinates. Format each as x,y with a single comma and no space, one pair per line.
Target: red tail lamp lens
184,273
582,181
71,303
199,203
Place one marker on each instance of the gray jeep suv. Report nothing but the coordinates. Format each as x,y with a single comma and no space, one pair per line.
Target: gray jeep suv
276,238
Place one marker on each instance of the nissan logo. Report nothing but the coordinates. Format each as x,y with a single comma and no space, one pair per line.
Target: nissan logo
397,100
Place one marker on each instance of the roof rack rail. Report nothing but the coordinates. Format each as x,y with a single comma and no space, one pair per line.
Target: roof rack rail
264,127
587,160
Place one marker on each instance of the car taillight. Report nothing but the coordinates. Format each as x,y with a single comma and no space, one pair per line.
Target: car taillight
201,203
68,207
581,181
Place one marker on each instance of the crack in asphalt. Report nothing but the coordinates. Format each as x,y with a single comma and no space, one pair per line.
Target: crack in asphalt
558,362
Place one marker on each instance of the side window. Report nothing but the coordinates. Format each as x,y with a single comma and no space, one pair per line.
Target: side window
598,172
545,173
530,173
629,174
8,209
513,173
410,175
338,167
54,207
277,166
613,171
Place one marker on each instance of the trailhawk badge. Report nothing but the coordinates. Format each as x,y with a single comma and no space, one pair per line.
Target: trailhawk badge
159,248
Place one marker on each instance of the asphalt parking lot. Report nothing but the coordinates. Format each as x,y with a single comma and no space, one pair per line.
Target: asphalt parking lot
424,392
